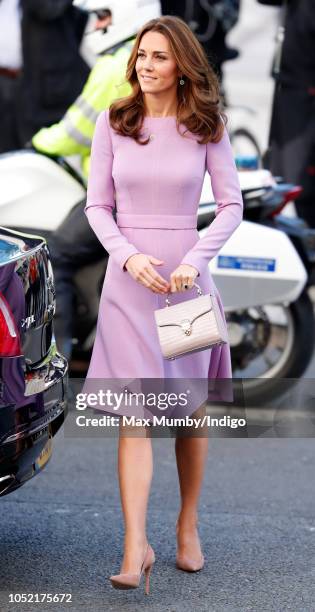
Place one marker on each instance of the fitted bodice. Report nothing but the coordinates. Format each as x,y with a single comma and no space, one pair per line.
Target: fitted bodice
160,182
162,177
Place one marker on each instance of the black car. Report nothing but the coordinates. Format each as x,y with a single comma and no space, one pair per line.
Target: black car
33,375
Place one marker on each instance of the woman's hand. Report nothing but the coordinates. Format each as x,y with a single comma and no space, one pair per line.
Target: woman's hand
140,268
183,275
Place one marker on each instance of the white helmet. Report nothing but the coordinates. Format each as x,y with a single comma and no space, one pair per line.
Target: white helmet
128,16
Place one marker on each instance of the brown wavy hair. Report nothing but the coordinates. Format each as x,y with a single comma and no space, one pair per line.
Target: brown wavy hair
198,99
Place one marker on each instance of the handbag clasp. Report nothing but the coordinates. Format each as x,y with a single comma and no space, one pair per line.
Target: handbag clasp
186,326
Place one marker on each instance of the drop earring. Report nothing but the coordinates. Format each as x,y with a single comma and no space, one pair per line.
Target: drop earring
182,82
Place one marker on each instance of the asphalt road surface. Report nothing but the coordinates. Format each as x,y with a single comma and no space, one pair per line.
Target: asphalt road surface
62,532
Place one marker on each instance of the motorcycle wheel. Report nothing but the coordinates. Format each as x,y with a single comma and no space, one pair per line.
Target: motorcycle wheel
295,337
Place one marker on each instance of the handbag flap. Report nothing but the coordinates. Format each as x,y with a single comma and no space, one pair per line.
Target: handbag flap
186,318
187,310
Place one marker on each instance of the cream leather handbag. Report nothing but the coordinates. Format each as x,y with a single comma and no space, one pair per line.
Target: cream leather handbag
190,326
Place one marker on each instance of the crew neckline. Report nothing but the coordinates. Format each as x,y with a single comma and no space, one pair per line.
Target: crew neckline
166,117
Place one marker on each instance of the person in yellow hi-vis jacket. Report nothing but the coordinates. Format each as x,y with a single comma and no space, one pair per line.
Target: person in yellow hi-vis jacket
73,243
73,134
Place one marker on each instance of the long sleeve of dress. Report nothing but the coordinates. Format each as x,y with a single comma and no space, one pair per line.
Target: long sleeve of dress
228,196
100,196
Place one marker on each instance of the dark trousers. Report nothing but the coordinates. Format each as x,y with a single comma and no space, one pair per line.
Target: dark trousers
292,144
72,246
8,133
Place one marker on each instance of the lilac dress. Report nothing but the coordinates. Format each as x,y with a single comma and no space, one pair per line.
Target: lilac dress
157,190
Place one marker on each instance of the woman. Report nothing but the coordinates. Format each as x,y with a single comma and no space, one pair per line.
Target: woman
140,151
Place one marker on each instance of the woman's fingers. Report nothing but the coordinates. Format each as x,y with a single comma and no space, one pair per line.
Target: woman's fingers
189,281
143,272
183,275
153,280
177,282
141,268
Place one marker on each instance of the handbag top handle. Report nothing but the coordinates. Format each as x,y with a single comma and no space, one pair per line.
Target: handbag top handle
168,303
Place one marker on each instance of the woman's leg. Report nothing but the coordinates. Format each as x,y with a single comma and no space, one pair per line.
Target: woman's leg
191,455
135,468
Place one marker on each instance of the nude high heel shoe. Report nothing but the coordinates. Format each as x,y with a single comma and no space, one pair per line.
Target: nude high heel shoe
132,581
188,564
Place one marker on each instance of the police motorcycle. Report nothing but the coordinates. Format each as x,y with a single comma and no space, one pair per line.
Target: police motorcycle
259,273
271,337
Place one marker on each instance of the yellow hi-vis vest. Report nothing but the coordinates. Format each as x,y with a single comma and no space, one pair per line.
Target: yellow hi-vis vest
73,134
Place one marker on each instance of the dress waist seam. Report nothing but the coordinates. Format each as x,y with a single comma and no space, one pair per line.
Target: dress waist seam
156,221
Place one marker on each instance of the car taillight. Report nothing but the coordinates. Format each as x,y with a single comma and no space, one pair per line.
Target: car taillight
10,345
288,196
